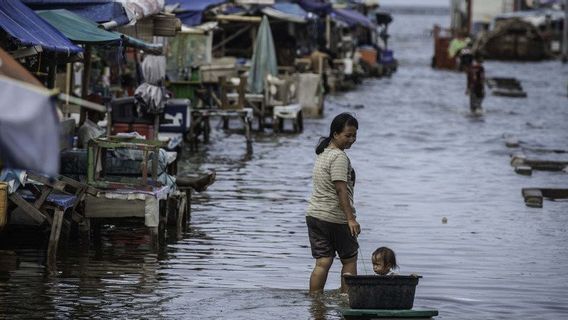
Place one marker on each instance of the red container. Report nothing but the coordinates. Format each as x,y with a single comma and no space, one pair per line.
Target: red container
120,128
368,55
144,129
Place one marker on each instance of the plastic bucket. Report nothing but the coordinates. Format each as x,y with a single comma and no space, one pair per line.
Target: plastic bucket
381,292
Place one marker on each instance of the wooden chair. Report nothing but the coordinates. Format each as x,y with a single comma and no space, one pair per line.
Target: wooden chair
232,94
280,96
46,201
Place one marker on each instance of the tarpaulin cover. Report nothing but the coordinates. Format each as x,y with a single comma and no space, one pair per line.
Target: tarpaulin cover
77,28
29,127
23,24
138,9
81,30
190,12
316,6
286,11
263,60
352,18
94,10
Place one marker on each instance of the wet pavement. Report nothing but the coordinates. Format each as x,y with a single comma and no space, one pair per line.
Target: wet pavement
420,157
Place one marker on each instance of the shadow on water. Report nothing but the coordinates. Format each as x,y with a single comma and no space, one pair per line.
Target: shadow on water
421,159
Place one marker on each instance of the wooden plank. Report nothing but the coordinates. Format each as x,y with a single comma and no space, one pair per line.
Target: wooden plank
524,170
554,193
181,211
100,207
28,208
54,239
533,197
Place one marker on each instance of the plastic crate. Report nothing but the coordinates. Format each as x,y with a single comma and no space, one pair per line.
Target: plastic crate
182,90
393,292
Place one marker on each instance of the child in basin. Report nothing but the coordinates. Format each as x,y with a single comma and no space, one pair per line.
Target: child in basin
384,261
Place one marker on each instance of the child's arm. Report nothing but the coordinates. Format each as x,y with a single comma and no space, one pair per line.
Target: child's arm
342,194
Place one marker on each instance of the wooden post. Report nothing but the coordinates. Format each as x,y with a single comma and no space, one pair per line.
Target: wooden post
469,16
156,126
187,206
52,72
181,212
85,80
85,231
328,31
248,134
68,73
54,239
565,34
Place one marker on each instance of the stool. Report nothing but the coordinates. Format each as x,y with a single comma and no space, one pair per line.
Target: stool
293,111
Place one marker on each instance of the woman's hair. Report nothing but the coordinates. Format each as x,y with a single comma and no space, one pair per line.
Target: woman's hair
386,255
337,125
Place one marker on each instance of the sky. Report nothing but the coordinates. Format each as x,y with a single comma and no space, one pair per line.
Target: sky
435,3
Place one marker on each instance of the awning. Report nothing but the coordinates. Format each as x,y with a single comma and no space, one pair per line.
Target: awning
286,11
352,18
316,6
98,11
190,12
81,30
138,9
23,24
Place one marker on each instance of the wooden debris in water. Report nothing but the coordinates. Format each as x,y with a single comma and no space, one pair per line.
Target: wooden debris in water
534,196
508,87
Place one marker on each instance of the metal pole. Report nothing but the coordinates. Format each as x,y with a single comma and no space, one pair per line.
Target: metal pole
565,34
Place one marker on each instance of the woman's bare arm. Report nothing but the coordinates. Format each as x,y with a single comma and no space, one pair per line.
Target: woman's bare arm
342,195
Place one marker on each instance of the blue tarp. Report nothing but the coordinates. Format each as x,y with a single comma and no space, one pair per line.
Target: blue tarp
94,10
29,29
290,8
316,6
352,18
287,11
190,12
29,127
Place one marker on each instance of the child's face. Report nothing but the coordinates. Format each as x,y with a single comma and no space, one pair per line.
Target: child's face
380,267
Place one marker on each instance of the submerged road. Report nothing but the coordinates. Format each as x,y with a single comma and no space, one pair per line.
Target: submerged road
419,157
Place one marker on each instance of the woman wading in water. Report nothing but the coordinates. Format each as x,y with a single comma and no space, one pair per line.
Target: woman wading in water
331,220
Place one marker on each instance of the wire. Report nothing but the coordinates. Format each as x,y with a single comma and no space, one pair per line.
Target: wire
363,261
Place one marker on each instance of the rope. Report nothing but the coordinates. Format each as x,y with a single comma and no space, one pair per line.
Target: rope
363,261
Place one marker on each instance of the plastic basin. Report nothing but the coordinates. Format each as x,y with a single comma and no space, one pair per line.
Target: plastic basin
393,292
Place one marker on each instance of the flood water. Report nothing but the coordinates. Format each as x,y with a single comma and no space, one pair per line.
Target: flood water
419,157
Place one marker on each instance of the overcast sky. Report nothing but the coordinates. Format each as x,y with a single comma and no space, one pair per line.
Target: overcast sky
436,3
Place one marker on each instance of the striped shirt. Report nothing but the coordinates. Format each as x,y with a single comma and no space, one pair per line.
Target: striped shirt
331,165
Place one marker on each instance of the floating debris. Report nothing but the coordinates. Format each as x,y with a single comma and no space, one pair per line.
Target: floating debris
507,87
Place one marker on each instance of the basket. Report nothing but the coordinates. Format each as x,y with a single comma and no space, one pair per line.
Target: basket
166,25
393,292
3,204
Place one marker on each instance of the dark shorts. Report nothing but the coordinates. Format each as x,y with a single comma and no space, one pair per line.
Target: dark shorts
327,238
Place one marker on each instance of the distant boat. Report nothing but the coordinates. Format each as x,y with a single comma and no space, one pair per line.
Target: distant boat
508,87
513,39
